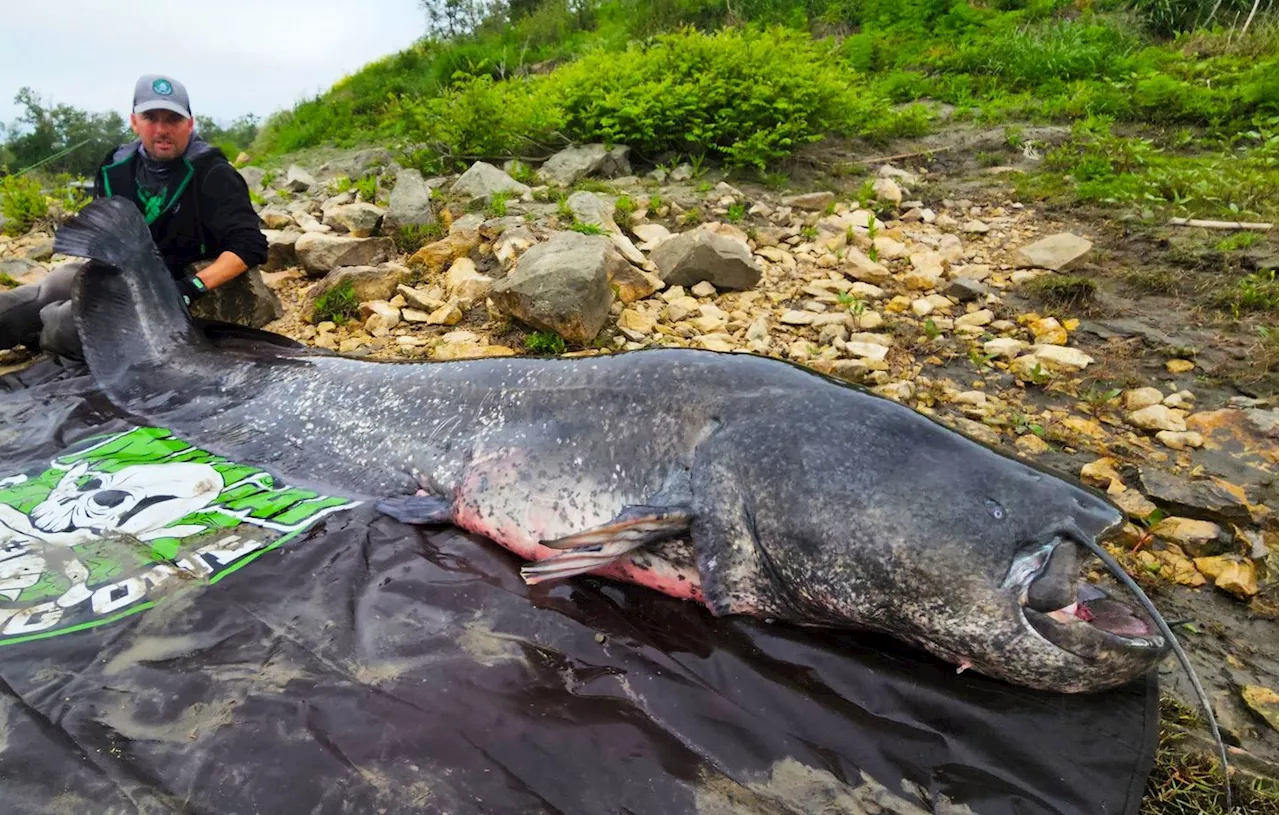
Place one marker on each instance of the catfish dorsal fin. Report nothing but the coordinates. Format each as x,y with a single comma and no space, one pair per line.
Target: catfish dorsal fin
127,307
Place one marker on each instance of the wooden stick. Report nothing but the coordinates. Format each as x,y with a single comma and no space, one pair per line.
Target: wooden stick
1220,224
904,155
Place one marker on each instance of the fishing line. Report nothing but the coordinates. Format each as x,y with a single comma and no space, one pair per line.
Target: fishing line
1129,583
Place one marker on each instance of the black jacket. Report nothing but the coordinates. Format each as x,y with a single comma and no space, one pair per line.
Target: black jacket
209,212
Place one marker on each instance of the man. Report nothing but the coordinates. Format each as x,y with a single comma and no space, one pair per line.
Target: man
196,203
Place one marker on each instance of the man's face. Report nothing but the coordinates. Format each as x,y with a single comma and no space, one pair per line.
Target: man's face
164,134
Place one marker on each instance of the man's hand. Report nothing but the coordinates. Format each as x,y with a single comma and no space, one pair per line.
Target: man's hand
191,289
226,268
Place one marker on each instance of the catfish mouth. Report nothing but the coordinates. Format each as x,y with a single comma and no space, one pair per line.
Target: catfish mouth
1073,614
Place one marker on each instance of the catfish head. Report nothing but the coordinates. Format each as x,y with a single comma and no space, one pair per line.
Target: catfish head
881,518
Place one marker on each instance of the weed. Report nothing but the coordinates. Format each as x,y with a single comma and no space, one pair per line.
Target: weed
626,207
588,229
497,206
736,213
873,253
1154,281
865,194
809,233
1014,136
341,184
367,188
595,185
7,281
523,173
409,239
1240,240
1039,374
338,304
655,203
775,181
563,209
703,187
931,329
691,217
988,159
980,359
22,203
1063,291
544,342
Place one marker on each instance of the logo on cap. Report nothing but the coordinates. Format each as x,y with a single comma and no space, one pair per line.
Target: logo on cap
162,87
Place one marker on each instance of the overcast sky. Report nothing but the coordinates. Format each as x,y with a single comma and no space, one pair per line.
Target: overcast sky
234,56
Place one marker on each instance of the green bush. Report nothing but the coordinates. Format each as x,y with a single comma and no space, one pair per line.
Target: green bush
409,239
338,304
22,203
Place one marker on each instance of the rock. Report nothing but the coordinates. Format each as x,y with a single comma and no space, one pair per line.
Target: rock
980,317
382,317
561,285
482,180
1004,347
870,320
811,201
367,283
281,251
1264,702
359,220
887,190
1157,417
245,300
796,318
512,244
860,267
1060,358
972,271
1031,444
921,307
589,208
40,250
22,269
975,226
703,289
1134,505
1198,538
436,256
274,218
1233,574
581,161
1180,366
888,248
427,300
448,314
410,203
1189,439
698,255
652,234
320,253
966,289
1056,252
867,350
640,322
1238,432
1210,499
978,431
1048,331
1139,398
413,315
926,271
1102,473
307,223
297,179
632,284
465,284
253,177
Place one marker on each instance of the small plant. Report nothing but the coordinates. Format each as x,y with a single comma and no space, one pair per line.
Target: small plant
829,209
626,207
6,281
865,194
698,163
1097,398
931,329
1022,424
872,229
588,229
497,206
22,203
268,177
1014,136
703,186
409,239
341,184
776,181
562,207
1039,375
736,213
523,173
544,342
809,233
691,217
980,359
873,253
655,203
1241,240
256,198
338,304
367,188
1063,291
856,305
71,196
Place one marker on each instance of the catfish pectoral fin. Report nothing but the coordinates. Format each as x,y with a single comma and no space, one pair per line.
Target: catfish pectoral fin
634,524
417,509
578,561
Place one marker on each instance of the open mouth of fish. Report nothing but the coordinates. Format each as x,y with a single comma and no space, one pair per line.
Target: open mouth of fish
1072,613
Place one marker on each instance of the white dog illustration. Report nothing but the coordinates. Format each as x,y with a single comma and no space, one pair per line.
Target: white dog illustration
140,501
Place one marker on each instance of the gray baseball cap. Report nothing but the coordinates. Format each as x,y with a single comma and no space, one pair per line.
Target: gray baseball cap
158,92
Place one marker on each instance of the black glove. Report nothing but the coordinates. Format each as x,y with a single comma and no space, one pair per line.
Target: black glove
191,288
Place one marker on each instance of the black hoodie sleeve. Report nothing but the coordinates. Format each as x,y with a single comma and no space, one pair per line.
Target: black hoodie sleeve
228,217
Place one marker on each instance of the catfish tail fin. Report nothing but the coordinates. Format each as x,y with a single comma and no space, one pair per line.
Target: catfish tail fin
127,307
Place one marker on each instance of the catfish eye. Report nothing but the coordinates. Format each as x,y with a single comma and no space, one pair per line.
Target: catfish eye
994,508
91,484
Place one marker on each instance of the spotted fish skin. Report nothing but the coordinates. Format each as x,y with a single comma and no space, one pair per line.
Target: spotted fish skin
801,498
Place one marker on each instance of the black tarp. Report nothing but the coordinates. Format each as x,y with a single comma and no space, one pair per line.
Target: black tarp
366,666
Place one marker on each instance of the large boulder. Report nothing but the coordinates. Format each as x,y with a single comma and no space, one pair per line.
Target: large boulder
359,220
482,180
246,300
698,255
319,252
589,208
281,249
297,179
562,286
575,163
367,283
410,203
253,177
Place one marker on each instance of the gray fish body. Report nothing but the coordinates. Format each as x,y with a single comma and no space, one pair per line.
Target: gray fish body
809,500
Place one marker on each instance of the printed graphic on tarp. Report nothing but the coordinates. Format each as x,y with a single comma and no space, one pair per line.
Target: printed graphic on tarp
99,533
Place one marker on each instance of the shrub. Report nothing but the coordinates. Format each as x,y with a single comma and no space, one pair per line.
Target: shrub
338,304
545,342
22,203
409,239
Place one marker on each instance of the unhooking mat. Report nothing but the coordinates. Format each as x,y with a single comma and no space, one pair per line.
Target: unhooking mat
239,646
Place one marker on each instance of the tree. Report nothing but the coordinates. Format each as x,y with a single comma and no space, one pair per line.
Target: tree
43,130
448,19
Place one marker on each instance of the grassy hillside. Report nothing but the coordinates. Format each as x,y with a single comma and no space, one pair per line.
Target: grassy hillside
749,82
